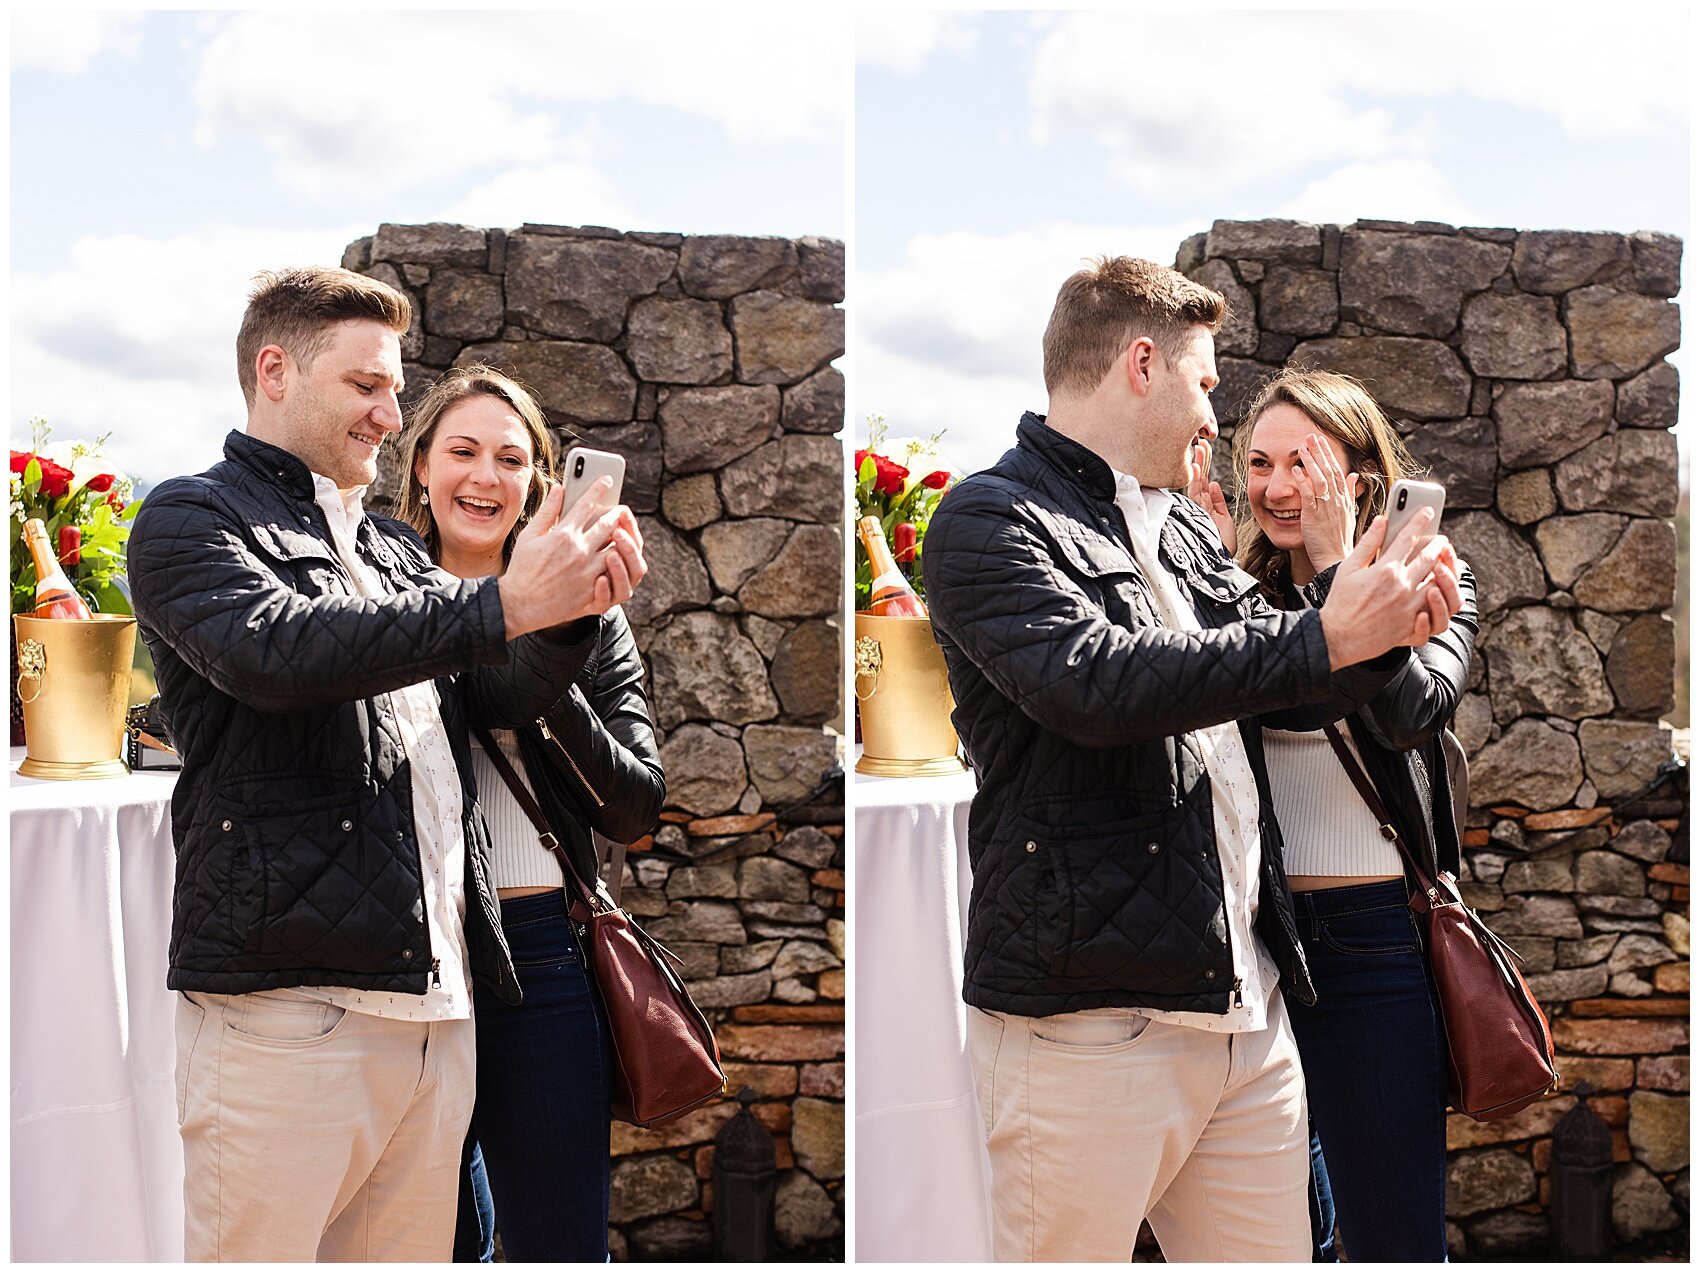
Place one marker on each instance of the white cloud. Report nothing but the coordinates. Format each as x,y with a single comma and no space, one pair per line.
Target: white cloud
439,93
66,41
138,337
1385,190
902,40
561,194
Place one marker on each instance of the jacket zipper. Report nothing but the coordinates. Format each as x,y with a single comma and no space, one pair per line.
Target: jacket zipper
436,974
543,725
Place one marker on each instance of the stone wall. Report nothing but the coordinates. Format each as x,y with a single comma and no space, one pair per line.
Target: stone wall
704,360
1527,368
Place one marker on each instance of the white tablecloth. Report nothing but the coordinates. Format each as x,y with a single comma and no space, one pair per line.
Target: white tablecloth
922,1181
97,1168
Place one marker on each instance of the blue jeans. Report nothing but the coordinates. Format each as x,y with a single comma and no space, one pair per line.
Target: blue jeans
536,1156
1374,1056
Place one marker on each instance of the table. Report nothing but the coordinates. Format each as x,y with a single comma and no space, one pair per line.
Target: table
97,1167
922,1179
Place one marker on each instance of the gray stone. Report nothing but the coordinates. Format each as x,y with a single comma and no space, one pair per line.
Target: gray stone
781,339
1461,455
1525,497
1514,337
802,1212
1642,666
1658,1130
1554,261
1487,1181
1481,897
1507,570
702,921
1643,840
1190,254
1298,302
1510,1233
815,405
580,288
1656,267
1292,242
1649,401
749,958
817,1136
1602,629
808,847
1600,871
1589,950
703,429
731,992
691,502
785,912
1637,573
1615,334
1637,951
766,634
1536,914
799,477
439,351
699,959
787,762
1540,664
719,266
681,342
820,268
1531,764
1675,929
1597,923
803,959
803,580
1413,284
1541,423
467,306
640,444
573,382
1570,544
1630,471
1238,333
1473,722
1639,1204
676,580
1623,756
1408,377
645,903
1538,875
790,990
1238,381
439,243
703,668
807,672
771,880
703,881
650,1186
672,1239
735,550
357,256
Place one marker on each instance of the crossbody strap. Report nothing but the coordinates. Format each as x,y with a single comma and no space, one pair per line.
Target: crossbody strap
528,805
1366,789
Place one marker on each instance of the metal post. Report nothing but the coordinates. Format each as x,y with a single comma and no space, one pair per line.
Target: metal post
1580,1214
743,1187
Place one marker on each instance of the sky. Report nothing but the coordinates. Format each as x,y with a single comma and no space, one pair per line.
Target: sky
996,151
159,160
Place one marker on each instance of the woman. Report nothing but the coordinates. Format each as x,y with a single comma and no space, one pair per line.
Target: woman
1313,463
482,459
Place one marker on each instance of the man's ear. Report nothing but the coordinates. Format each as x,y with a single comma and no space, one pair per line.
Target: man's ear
271,370
1139,362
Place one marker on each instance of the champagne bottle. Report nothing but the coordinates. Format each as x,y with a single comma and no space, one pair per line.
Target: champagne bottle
891,594
55,598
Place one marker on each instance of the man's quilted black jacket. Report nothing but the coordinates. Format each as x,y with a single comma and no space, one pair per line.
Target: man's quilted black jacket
1096,877
297,863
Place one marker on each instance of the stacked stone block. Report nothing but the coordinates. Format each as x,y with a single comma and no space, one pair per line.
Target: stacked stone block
705,361
1526,368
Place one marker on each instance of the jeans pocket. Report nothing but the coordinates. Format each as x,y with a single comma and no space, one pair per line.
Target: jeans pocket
191,1016
281,1019
1385,930
1091,1030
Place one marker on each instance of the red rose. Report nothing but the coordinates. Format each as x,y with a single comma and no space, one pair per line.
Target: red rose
890,476
21,460
114,503
936,480
101,481
70,545
55,478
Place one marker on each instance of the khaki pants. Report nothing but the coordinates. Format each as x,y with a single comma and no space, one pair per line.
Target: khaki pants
313,1133
1096,1120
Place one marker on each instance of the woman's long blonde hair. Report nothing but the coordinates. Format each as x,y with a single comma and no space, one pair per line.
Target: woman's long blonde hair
457,386
1342,408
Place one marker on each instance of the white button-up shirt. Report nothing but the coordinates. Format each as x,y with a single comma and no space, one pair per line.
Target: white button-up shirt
1233,790
437,810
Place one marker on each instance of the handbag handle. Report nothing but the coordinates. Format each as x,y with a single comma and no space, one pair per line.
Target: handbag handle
1366,789
528,805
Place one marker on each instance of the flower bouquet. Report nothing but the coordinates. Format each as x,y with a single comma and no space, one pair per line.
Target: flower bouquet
900,481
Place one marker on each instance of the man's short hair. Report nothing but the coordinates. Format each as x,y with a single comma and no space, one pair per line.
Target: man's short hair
1104,308
295,309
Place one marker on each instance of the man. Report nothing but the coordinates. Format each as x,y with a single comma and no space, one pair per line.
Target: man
322,934
1130,923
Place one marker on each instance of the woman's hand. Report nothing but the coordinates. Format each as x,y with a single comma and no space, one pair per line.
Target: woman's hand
1208,495
1329,512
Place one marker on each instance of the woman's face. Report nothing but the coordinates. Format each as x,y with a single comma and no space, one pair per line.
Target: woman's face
1271,461
476,471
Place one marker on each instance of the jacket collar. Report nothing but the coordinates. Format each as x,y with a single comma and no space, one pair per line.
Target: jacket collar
270,464
1071,461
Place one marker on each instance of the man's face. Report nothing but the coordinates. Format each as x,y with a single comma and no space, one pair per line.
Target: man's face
1177,411
339,408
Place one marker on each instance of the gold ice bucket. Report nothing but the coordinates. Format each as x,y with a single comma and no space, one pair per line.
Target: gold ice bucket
904,698
73,676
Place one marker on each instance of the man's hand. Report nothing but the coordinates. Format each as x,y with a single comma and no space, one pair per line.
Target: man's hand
565,567
1403,596
1208,495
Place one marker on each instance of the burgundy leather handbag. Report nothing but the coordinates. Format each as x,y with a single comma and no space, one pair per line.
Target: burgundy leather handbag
1499,1047
666,1062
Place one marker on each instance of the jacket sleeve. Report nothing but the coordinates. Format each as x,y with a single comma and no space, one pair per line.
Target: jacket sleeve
225,611
1420,699
996,593
607,740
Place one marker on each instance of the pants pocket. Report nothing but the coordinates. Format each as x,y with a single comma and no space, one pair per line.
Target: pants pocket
1090,1030
282,1019
191,1016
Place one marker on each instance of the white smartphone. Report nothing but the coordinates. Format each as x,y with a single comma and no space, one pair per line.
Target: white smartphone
584,465
1406,498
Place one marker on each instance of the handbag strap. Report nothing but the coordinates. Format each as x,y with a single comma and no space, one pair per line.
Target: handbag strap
1366,789
528,805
